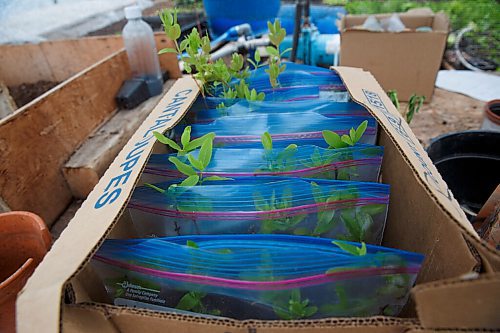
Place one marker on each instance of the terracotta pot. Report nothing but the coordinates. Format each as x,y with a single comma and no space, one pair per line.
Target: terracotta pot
24,240
491,121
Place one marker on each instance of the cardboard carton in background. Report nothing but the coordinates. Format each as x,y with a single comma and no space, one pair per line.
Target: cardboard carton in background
65,295
406,61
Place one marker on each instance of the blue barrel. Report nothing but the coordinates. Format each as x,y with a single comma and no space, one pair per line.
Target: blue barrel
224,14
324,17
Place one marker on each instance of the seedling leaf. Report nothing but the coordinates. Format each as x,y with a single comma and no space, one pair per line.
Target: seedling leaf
163,139
192,244
199,141
182,167
194,162
190,181
267,141
154,187
333,139
167,50
352,249
215,178
187,302
205,155
361,130
186,136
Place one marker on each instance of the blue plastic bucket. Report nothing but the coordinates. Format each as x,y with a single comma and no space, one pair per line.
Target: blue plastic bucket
224,14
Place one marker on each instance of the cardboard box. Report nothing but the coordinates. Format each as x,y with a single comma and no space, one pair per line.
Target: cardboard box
407,61
64,294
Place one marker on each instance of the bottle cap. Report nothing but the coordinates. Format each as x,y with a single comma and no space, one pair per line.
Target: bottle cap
133,12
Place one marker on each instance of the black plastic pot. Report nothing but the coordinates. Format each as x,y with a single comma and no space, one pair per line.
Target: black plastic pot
470,164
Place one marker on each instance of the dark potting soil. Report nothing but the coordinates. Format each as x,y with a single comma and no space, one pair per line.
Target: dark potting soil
26,92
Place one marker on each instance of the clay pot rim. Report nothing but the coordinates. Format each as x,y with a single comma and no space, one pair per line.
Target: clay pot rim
489,114
38,221
19,272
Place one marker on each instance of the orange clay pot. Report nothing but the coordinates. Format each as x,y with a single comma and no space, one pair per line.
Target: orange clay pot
24,240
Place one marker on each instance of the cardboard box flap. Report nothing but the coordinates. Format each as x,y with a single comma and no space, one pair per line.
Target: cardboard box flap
470,302
441,22
419,17
40,301
135,320
364,89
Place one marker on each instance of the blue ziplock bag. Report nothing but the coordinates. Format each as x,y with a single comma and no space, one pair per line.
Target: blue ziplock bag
338,209
284,94
358,163
282,126
263,274
294,75
243,107
292,66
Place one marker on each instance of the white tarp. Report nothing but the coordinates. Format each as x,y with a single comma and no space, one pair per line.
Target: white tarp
478,85
29,20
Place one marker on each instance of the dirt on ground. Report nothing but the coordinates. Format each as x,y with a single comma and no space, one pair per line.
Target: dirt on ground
26,92
447,112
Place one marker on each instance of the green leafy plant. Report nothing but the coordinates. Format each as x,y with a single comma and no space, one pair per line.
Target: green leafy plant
216,77
191,167
326,221
393,95
352,249
196,166
357,220
277,161
412,107
275,222
193,301
187,144
296,307
256,62
317,160
336,141
276,35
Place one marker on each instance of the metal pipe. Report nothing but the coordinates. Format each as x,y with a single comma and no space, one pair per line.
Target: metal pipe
296,30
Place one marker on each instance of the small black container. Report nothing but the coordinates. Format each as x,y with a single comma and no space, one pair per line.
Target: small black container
470,164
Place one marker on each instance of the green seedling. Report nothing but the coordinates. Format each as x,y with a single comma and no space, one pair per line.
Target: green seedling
277,161
393,95
318,160
276,36
276,222
326,218
193,301
336,141
216,77
359,219
187,144
413,107
352,249
196,166
256,62
296,308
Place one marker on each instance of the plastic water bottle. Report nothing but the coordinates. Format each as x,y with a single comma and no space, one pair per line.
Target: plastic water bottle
141,50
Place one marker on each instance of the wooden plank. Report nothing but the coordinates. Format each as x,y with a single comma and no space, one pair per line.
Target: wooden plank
90,161
24,63
38,138
60,59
